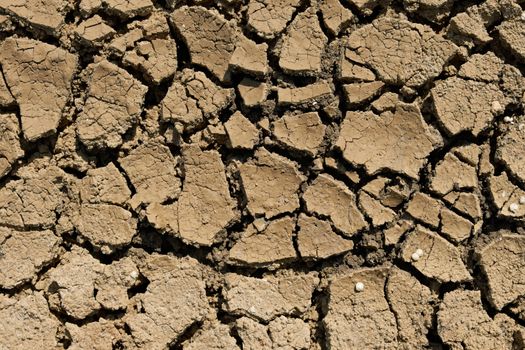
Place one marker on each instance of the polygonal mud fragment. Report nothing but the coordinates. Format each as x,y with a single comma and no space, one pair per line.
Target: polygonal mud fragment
241,132
506,197
465,105
151,170
267,19
359,93
205,207
209,37
254,335
252,92
274,245
39,75
156,59
392,235
28,324
309,94
372,208
303,45
425,208
68,152
271,184
128,8
331,198
217,337
114,101
193,100
360,319
289,333
454,226
10,148
316,240
511,33
411,302
35,200
23,254
463,323
98,335
301,132
335,16
453,174
104,185
6,99
398,141
502,263
482,67
511,150
348,71
467,203
401,52
365,7
94,31
107,227
270,296
250,58
440,259
48,15
174,300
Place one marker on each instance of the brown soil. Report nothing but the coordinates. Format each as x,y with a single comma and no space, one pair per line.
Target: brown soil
262,174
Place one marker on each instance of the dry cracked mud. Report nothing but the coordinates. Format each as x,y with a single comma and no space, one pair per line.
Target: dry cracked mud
262,174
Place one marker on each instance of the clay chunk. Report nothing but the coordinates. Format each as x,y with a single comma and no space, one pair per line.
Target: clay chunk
48,15
303,45
465,105
453,174
209,37
39,75
329,197
316,239
95,335
511,34
31,325
174,300
269,18
271,184
156,59
398,141
104,185
274,245
502,262
250,58
94,31
192,100
241,132
25,253
360,320
10,147
401,52
463,323
114,102
336,17
205,207
217,337
269,297
510,151
301,132
440,259
151,170
309,94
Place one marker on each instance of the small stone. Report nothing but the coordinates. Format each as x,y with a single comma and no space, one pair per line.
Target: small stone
522,200
359,287
497,108
419,252
415,256
134,275
523,16
508,119
514,207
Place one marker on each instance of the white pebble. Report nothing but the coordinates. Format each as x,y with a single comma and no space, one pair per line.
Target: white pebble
508,119
522,200
523,16
415,256
503,194
514,207
359,287
419,252
134,275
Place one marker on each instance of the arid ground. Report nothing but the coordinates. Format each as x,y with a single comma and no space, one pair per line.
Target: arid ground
262,174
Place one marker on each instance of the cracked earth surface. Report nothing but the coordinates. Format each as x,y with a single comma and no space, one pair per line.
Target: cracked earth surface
262,174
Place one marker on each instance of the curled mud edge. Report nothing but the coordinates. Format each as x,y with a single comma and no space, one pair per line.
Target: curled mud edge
258,175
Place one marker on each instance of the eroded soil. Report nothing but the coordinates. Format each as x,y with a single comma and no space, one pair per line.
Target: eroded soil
257,175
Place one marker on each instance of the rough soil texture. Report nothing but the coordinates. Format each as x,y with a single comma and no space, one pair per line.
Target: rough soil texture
262,174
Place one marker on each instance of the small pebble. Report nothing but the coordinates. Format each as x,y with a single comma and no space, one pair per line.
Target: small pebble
497,108
522,200
134,275
359,287
503,194
419,252
415,256
508,119
523,16
514,207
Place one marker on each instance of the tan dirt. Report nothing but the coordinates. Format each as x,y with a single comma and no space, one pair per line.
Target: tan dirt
262,174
